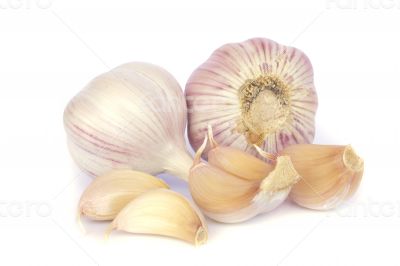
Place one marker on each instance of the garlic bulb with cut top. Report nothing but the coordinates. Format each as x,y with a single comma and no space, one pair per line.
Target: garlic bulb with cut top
254,92
132,117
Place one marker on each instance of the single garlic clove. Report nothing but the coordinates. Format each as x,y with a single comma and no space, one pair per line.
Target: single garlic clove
253,92
229,198
108,194
239,163
236,162
216,191
162,212
330,174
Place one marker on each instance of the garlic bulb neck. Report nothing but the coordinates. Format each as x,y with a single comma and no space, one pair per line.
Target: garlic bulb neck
178,163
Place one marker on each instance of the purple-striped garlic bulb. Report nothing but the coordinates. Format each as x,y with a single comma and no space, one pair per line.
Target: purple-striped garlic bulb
132,117
254,92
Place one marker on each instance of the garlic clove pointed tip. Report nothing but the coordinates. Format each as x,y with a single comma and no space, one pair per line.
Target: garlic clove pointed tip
265,154
199,152
210,134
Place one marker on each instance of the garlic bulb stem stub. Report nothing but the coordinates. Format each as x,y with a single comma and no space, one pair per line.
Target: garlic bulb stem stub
132,117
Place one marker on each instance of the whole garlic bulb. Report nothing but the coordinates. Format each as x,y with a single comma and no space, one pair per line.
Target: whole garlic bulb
254,92
132,117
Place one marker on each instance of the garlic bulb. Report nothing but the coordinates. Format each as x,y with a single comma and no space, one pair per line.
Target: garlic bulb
132,117
162,212
329,174
254,92
108,194
236,186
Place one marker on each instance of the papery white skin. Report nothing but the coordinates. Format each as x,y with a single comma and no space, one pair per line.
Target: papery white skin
132,117
212,94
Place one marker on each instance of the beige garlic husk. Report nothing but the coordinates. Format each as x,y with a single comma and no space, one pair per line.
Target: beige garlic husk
132,117
330,174
162,212
254,92
105,197
235,186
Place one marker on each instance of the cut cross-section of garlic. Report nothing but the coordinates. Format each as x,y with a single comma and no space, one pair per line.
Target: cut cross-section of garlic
226,197
108,194
254,92
162,212
329,174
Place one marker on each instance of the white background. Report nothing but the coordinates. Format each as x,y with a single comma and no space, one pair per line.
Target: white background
49,49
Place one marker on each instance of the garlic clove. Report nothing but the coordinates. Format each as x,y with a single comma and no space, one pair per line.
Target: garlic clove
236,162
228,198
254,92
330,174
108,194
162,212
217,191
